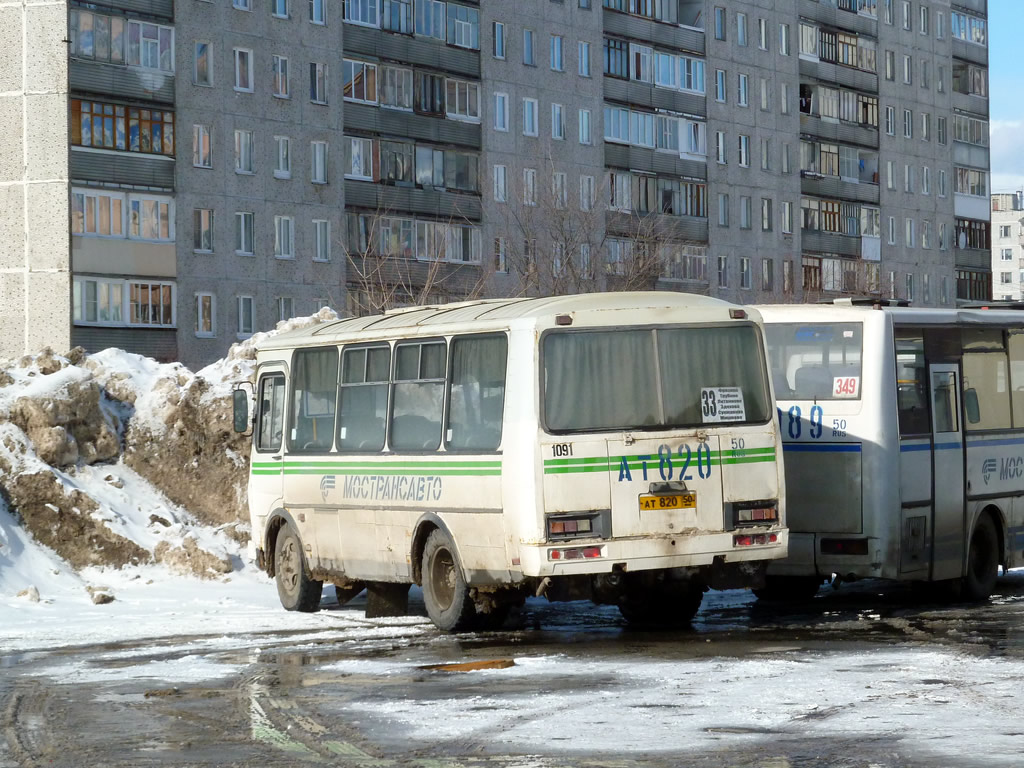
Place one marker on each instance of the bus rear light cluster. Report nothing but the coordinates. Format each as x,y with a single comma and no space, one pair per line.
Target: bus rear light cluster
844,546
757,515
576,553
753,539
561,527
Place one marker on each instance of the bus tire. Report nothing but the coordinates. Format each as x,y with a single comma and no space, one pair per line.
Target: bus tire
788,589
297,590
982,561
445,592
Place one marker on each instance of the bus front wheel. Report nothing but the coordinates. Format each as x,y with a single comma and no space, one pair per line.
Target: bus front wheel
445,592
982,561
297,590
661,605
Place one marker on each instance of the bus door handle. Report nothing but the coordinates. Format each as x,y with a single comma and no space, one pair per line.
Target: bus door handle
276,458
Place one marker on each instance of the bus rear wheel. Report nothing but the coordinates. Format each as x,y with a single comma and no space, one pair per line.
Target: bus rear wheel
982,561
788,589
445,592
297,590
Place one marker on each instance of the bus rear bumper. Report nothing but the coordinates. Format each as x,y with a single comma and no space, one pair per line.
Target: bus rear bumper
649,553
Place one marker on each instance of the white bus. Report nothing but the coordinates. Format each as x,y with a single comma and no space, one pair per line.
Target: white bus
618,447
903,436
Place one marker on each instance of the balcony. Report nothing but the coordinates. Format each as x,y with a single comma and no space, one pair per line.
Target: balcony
161,344
161,8
652,161
970,155
654,32
829,242
454,280
410,50
972,52
972,258
130,83
425,202
394,122
966,102
652,97
834,187
846,133
132,168
833,17
972,207
657,226
979,7
835,73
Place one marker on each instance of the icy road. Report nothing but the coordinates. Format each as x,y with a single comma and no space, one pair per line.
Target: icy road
218,675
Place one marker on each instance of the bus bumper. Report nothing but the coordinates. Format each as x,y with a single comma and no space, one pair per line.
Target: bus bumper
646,553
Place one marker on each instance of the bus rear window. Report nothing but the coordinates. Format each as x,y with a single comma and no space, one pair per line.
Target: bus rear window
815,362
602,380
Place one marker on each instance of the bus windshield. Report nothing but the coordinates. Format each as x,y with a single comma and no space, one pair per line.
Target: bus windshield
646,378
815,361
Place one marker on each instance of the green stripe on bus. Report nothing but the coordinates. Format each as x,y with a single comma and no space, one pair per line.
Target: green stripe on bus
390,471
635,463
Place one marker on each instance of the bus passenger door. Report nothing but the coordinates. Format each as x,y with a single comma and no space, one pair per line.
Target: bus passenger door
947,473
265,477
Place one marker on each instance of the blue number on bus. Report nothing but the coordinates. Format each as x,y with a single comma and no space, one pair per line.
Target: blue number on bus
665,461
705,449
794,422
686,463
817,416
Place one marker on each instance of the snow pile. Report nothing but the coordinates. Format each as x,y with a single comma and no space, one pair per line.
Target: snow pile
115,460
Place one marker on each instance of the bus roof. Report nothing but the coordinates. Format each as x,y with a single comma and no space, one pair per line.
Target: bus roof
900,315
492,313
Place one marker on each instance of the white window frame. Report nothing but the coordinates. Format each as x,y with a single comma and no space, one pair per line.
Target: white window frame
245,332
245,222
284,237
245,69
363,13
463,101
557,122
583,58
584,127
245,147
283,157
205,220
500,174
530,108
135,224
281,77
318,162
201,137
365,67
321,240
366,151
501,111
201,298
557,53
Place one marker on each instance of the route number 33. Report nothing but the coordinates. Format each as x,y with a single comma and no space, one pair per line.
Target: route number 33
708,406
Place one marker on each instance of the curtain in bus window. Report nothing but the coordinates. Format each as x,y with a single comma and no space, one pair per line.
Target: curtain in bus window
477,393
1016,344
693,359
987,373
314,389
418,396
600,380
271,419
363,407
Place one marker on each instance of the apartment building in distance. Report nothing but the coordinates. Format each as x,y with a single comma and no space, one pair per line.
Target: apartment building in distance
1008,246
229,163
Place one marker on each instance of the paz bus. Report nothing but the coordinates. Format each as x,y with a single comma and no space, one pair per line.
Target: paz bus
903,433
617,447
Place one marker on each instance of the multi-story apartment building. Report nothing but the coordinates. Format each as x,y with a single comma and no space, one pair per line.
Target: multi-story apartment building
229,165
1008,246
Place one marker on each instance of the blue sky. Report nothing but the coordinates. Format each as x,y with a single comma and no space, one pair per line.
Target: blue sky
1006,93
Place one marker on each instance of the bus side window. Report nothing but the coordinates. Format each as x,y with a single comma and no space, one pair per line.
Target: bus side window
418,396
270,420
986,371
1016,345
314,391
911,385
363,409
477,395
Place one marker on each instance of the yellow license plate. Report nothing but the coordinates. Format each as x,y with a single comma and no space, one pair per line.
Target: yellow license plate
668,501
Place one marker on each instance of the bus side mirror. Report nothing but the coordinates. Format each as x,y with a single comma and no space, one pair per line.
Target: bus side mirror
971,405
240,401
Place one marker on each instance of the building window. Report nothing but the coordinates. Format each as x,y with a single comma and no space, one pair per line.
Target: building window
723,271
285,308
430,18
529,186
205,313
559,192
243,70
501,111
528,57
741,29
284,237
557,50
530,117
318,155
359,159
125,129
908,124
279,9
767,275
150,218
243,151
762,34
463,26
462,100
363,12
396,16
744,272
744,151
245,319
318,83
720,23
766,214
584,127
280,77
99,214
282,157
787,217
784,39
359,82
745,213
321,240
202,227
586,193
557,122
720,85
498,37
396,89
501,255
317,11
202,64
583,58
723,209
500,184
202,154
244,233
741,97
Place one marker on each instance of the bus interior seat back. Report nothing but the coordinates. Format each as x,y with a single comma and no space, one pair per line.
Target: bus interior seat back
813,381
414,432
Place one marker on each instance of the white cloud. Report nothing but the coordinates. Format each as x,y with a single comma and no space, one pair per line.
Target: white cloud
1007,155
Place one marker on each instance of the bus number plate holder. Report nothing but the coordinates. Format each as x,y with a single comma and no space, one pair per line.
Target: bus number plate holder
662,501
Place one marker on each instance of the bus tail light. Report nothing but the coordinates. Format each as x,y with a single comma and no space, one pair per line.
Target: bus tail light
592,524
576,553
747,513
844,546
754,539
